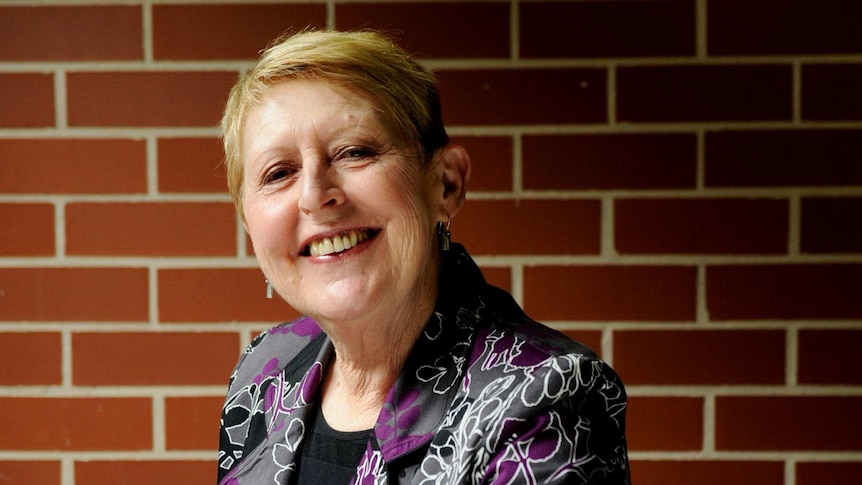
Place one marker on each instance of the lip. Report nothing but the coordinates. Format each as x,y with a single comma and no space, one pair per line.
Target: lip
304,251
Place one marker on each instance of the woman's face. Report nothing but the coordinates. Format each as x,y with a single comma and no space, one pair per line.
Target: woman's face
340,215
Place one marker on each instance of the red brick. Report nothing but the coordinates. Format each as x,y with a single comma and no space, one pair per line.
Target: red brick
168,98
704,93
714,472
42,472
523,96
194,32
831,225
829,92
784,291
191,165
442,29
191,422
491,157
61,166
74,294
499,277
553,226
827,473
73,33
161,472
739,27
606,29
701,226
151,229
617,161
605,293
29,229
829,356
664,423
700,357
30,359
783,158
67,424
784,423
27,100
218,295
590,338
153,358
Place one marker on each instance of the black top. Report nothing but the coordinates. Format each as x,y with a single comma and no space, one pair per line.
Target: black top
330,456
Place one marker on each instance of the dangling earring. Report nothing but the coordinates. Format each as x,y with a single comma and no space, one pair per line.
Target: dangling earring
268,290
443,236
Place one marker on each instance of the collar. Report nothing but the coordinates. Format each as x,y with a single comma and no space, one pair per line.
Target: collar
424,390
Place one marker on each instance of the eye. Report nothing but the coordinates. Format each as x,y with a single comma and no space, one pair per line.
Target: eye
279,173
354,153
359,153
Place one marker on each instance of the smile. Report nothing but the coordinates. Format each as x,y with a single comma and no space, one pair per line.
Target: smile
337,244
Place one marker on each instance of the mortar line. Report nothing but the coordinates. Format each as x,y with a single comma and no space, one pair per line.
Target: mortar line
514,30
791,366
709,423
517,281
159,432
701,25
517,165
66,357
61,115
60,229
796,100
607,244
147,31
700,160
794,227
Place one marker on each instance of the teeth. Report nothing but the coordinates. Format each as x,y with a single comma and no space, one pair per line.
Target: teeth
337,244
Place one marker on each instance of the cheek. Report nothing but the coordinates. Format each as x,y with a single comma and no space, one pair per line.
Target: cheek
415,211
412,189
268,226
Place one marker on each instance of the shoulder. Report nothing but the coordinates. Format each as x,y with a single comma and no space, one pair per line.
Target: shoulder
527,386
504,321
273,350
547,366
265,359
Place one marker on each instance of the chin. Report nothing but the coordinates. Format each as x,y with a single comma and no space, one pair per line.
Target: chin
343,300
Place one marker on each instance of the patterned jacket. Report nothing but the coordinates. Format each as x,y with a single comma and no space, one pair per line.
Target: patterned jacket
486,396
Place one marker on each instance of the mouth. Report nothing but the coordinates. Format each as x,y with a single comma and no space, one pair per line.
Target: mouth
338,243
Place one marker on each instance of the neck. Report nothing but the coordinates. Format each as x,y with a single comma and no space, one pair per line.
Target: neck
369,356
370,352
356,384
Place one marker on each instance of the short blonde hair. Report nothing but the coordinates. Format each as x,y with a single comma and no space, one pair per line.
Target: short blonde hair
404,92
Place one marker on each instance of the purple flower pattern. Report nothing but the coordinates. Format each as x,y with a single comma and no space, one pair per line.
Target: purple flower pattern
488,396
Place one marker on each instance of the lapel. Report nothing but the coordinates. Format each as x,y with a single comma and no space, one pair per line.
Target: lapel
421,396
415,406
288,407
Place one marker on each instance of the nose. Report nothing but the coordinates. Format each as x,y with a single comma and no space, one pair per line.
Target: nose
320,189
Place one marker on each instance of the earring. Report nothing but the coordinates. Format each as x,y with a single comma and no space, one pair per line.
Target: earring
443,236
268,290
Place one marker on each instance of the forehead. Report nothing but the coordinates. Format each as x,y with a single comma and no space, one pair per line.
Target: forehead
293,112
300,100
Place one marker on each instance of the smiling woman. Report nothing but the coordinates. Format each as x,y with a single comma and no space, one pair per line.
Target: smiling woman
319,165
407,367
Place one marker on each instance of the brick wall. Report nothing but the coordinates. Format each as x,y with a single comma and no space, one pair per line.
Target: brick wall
676,183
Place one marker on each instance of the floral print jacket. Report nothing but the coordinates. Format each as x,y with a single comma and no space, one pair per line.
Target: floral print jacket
487,396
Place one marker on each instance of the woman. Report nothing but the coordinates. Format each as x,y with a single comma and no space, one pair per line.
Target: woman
408,367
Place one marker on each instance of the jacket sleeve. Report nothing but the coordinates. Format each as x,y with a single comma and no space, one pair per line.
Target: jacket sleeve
578,439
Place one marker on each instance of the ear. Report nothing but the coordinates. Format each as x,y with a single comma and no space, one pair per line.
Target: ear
454,167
